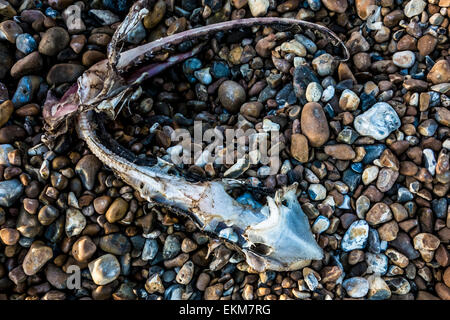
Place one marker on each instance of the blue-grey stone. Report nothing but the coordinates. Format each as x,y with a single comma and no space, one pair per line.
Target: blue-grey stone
307,42
357,167
373,243
356,236
314,4
320,225
435,99
439,207
367,100
189,66
266,94
169,276
220,69
52,13
25,43
137,34
138,242
344,84
303,75
4,150
346,203
171,247
373,152
189,5
203,76
377,122
356,287
286,95
347,135
351,179
26,89
404,195
174,292
229,234
150,250
104,17
329,111
376,263
10,191
118,6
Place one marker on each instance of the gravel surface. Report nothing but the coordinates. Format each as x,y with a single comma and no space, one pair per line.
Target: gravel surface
367,140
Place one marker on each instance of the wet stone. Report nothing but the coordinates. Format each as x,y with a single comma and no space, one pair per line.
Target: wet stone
9,30
116,210
25,43
83,249
320,225
10,191
356,236
171,247
37,256
48,214
299,147
376,263
53,41
403,244
104,269
87,169
386,179
75,222
64,72
115,243
9,236
378,289
231,95
351,179
314,124
356,287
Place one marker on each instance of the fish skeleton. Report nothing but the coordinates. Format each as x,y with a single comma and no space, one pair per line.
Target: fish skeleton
275,236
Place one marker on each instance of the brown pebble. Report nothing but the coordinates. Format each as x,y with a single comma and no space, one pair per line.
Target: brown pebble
340,151
314,124
9,236
83,249
299,147
116,210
